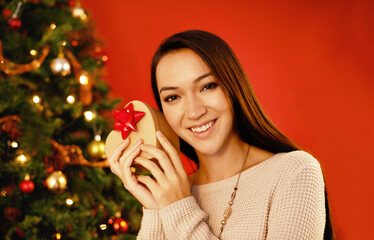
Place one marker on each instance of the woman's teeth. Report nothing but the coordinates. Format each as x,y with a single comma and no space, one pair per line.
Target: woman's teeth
202,128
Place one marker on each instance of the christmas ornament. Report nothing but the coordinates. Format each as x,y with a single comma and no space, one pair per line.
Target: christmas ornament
153,121
60,65
56,182
72,3
27,186
14,22
9,124
96,149
120,225
12,68
12,213
126,119
6,13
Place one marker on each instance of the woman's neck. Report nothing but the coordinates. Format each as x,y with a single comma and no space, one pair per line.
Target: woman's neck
223,164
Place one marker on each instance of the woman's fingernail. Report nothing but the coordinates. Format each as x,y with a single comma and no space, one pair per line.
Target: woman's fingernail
159,134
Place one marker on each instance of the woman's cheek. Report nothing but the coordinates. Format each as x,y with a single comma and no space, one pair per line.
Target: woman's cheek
172,118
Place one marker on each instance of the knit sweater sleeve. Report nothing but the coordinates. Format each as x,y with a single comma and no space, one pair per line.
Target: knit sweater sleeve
151,227
298,207
183,219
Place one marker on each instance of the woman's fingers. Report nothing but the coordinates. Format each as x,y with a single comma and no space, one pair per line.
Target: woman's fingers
126,161
152,167
113,160
150,183
160,155
171,151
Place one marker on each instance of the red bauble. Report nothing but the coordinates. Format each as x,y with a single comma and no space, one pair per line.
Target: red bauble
27,186
72,3
120,225
14,24
6,13
12,213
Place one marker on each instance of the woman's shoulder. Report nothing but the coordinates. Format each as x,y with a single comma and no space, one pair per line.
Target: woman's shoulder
298,158
290,163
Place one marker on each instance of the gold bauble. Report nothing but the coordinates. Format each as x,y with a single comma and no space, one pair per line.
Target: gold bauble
60,66
56,182
96,149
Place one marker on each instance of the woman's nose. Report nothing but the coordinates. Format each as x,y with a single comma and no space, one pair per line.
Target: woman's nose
194,108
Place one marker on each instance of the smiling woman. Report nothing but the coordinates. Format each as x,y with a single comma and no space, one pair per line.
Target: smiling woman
252,181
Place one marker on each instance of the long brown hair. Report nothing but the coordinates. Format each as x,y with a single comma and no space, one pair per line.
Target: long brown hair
250,120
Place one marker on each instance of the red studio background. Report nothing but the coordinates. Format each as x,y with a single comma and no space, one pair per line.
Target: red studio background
310,64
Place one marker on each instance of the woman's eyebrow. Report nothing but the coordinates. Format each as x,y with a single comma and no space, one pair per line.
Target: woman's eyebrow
194,81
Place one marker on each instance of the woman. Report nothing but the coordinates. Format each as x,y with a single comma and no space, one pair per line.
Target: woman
252,182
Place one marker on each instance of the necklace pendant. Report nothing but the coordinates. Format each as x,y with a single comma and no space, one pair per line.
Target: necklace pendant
227,212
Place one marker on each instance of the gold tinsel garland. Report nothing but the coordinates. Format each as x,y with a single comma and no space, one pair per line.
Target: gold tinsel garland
72,155
12,68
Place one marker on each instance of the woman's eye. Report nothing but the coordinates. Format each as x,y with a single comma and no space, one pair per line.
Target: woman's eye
170,98
210,85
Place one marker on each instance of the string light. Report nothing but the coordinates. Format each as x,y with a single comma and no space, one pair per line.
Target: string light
98,138
83,78
14,144
58,236
103,227
89,115
33,52
22,158
52,26
69,201
36,99
70,99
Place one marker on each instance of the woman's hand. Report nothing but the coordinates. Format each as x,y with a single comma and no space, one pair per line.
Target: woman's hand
170,182
120,164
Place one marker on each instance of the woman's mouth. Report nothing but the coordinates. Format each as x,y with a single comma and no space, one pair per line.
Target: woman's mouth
203,128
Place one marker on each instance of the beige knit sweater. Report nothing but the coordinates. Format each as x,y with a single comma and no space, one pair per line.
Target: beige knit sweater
279,198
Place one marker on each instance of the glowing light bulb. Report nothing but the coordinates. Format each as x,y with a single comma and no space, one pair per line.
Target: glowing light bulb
98,138
33,52
103,227
69,201
14,144
83,79
36,99
70,99
52,26
89,115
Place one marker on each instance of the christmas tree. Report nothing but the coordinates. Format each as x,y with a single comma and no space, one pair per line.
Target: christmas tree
54,114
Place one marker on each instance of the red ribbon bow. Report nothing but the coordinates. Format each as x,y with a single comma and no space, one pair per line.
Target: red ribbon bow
126,120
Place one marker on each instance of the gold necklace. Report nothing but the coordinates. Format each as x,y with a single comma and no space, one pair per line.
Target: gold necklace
228,210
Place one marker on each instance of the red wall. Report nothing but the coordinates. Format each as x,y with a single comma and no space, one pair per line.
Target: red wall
310,63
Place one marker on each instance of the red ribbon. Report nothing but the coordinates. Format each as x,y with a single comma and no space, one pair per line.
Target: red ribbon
126,120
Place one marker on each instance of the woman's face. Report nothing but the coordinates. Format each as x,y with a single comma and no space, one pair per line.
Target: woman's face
193,103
